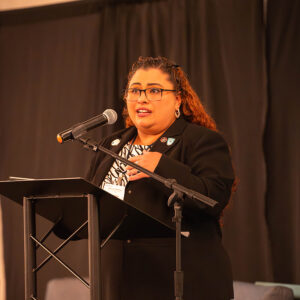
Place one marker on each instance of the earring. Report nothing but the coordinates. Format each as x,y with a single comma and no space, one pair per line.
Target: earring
177,113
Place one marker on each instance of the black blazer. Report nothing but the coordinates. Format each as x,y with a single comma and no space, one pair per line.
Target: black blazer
198,159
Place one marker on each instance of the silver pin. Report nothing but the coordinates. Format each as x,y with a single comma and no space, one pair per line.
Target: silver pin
170,141
115,142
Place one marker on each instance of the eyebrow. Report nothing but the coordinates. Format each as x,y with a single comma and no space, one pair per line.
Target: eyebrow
148,84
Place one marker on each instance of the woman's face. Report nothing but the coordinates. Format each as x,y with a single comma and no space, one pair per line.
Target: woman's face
152,117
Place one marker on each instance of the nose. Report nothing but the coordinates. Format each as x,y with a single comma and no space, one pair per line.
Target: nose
142,97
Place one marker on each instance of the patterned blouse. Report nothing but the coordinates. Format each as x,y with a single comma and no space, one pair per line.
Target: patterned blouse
117,173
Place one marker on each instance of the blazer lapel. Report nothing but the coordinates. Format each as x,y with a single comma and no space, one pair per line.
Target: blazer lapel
115,144
171,137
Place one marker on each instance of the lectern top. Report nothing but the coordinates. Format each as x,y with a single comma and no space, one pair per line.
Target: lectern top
63,198
17,189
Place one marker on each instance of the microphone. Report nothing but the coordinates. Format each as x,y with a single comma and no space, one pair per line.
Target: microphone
109,116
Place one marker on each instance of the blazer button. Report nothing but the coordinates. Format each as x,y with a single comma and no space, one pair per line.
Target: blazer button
129,192
128,241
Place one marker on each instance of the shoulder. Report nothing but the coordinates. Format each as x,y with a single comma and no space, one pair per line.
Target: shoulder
207,149
117,135
195,133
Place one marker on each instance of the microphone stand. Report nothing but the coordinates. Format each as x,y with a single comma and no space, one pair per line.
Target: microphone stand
175,200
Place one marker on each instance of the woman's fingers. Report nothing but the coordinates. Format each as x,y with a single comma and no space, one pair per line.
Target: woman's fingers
149,161
133,159
138,176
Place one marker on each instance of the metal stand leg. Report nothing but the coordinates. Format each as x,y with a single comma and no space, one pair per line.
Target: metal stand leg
94,248
176,200
178,274
29,248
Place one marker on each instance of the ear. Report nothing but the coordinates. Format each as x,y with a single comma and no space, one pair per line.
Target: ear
178,101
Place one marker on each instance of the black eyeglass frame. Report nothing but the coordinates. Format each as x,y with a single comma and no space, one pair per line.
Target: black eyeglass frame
144,90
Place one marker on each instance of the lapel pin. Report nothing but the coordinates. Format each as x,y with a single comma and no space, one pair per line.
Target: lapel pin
163,139
170,141
115,142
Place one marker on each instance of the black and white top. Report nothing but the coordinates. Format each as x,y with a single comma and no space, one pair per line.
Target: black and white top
117,173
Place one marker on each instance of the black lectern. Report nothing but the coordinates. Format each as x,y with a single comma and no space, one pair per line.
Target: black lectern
73,204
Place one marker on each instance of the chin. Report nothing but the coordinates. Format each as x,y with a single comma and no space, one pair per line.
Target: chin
143,124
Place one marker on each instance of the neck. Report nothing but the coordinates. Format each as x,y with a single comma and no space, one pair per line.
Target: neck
146,139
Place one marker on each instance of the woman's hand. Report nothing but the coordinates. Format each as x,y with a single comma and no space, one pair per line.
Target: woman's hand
149,161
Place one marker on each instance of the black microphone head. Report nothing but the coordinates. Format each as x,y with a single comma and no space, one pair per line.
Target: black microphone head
111,116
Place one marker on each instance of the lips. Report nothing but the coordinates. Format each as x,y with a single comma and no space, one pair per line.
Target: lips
143,112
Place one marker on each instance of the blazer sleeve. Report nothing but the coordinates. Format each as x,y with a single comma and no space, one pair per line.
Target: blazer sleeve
206,168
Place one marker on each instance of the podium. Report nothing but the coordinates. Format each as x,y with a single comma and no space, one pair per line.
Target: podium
78,209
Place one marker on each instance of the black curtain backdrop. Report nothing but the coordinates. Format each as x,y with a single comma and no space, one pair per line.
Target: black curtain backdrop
62,64
282,138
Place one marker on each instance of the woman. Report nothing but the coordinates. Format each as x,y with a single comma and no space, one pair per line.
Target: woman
167,132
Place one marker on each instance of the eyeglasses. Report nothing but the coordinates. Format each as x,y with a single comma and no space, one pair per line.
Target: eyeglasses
152,94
